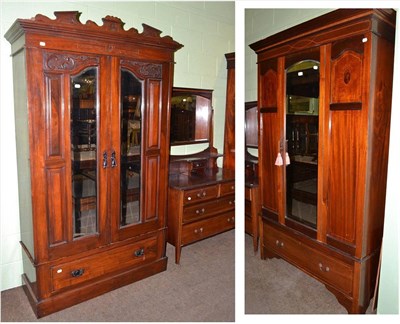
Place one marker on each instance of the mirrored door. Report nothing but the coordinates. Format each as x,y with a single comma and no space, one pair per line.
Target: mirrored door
302,111
84,140
130,148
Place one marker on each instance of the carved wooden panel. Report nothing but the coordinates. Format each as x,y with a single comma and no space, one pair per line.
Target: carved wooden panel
144,69
54,115
66,62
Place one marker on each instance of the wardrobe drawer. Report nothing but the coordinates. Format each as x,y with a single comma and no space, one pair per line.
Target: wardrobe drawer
198,230
204,193
75,272
206,209
227,188
327,268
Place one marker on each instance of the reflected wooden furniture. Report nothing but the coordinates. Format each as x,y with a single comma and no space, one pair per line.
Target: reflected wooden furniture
73,156
354,49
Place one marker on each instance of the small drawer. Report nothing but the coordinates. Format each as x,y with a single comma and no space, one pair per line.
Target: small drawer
207,209
227,188
204,193
69,274
199,230
327,268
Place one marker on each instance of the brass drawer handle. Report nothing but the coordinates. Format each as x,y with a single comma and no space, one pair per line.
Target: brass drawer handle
201,194
279,244
199,231
231,219
322,268
200,211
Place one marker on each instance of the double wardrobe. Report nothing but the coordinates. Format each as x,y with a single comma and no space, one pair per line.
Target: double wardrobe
93,114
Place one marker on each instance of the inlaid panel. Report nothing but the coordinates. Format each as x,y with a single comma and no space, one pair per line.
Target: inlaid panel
346,74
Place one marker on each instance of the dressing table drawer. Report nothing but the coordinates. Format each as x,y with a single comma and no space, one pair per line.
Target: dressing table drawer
227,188
205,228
200,194
207,209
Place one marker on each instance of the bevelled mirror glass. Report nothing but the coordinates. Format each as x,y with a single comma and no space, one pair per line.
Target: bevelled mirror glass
84,152
302,109
131,138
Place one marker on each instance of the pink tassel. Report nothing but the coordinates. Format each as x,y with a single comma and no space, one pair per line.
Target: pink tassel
287,158
279,160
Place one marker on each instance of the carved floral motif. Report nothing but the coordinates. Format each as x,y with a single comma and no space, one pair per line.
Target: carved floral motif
66,62
144,69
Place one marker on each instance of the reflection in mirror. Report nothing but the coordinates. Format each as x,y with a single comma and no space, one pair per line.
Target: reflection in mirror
302,93
130,114
83,152
190,116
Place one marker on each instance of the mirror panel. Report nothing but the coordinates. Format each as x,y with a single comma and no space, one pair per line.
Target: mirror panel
130,137
302,100
191,116
83,152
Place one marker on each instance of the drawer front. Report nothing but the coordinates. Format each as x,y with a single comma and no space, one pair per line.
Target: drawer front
200,194
326,268
198,230
76,272
227,188
207,209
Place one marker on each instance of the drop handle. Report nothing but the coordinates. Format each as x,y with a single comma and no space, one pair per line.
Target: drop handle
201,194
105,163
113,160
200,211
77,273
279,244
200,230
